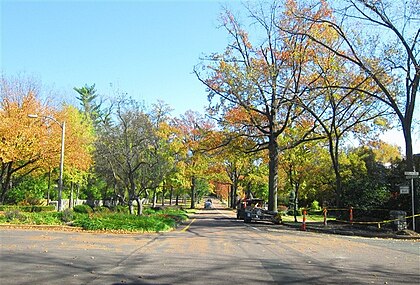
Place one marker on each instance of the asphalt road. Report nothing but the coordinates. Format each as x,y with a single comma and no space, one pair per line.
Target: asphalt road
212,248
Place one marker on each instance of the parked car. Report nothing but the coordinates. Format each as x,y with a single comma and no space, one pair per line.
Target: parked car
243,203
255,210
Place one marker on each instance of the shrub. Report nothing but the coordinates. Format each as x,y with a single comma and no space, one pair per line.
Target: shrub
315,206
120,209
27,208
84,209
67,215
14,215
101,209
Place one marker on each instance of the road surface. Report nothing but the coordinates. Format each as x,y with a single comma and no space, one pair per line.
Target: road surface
212,248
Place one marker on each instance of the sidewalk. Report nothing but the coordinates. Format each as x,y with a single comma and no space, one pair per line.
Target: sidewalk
355,230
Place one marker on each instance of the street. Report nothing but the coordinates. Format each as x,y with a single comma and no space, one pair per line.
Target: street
211,248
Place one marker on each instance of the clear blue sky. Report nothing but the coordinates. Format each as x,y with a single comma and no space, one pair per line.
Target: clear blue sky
145,48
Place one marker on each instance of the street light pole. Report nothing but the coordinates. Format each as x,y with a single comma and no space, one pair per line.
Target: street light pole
60,179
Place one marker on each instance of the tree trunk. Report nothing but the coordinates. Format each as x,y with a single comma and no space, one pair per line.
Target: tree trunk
6,175
193,192
163,195
71,195
130,206
49,187
408,146
139,206
333,150
273,152
177,199
77,193
296,200
232,196
154,198
171,195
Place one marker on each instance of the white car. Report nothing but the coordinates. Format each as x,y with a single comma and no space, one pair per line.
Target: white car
208,204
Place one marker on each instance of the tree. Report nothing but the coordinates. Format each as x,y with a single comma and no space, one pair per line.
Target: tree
193,128
379,39
22,145
90,108
256,85
124,148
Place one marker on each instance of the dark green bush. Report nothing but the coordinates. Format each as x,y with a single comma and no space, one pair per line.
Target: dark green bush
33,208
86,209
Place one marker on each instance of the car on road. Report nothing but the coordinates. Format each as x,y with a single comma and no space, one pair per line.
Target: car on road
208,204
255,210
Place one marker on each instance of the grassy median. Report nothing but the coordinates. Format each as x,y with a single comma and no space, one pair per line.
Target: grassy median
102,219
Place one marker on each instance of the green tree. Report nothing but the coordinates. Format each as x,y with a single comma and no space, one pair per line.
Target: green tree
88,100
124,150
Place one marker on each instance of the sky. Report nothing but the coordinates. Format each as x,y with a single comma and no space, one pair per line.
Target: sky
147,49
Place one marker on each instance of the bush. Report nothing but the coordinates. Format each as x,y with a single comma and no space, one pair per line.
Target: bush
84,209
101,209
67,215
315,206
14,215
120,209
27,208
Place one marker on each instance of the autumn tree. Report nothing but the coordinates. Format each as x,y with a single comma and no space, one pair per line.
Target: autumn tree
79,147
33,145
193,128
380,40
252,86
22,146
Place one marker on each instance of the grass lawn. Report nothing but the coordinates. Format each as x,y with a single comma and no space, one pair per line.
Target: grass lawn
309,218
104,220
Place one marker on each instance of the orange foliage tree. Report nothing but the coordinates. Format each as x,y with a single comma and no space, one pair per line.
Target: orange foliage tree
22,147
253,86
33,146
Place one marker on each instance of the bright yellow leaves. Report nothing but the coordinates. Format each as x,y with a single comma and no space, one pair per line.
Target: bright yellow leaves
35,143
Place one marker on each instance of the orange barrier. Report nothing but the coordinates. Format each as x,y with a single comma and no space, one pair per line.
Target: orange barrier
303,226
325,216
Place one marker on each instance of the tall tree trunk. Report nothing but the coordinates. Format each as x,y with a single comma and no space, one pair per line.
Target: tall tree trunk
273,152
139,206
193,192
6,175
171,195
296,201
408,146
232,196
163,195
49,187
154,198
77,193
71,201
130,206
333,150
177,199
